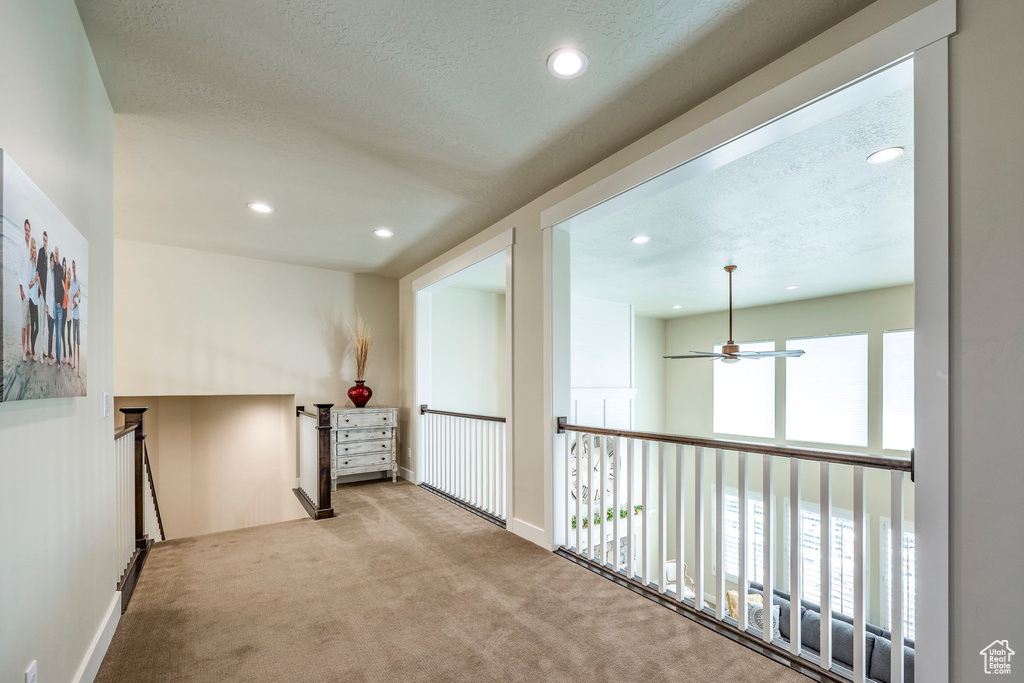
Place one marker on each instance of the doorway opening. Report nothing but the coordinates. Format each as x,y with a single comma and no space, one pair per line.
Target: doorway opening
463,356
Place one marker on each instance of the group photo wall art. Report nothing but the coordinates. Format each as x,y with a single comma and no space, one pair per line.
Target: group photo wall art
44,275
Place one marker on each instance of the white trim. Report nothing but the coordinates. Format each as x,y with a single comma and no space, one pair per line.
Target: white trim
931,361
533,534
423,288
470,258
407,474
90,665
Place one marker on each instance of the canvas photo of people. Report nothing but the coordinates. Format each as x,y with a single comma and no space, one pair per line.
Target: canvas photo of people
44,271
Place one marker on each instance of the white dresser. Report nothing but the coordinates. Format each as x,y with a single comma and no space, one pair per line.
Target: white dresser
364,441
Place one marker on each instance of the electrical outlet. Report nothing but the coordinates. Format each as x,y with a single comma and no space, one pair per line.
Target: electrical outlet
30,673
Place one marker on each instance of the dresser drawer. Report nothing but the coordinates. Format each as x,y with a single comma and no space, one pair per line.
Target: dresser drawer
363,418
360,460
362,434
382,446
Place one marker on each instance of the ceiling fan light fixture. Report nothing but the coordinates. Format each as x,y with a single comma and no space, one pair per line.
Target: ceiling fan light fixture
730,360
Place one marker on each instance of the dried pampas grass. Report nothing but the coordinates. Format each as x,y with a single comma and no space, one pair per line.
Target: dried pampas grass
362,340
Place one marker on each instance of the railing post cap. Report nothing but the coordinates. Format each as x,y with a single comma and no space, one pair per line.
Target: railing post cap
134,410
324,405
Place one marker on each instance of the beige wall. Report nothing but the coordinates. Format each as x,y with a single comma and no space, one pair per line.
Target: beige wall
194,323
467,351
689,383
528,276
220,462
649,340
987,335
57,565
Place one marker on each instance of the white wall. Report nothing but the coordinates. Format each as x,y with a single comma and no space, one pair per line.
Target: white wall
467,348
57,564
194,323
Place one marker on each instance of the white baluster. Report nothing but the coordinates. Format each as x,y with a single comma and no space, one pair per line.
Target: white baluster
646,503
698,529
860,604
795,588
769,549
680,523
896,572
630,561
568,484
744,581
579,491
616,483
720,610
662,517
604,501
826,566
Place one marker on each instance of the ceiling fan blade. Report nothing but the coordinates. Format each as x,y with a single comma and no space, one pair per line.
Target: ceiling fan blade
707,353
789,353
705,356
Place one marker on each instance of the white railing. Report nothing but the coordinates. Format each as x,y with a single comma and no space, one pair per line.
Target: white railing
308,458
641,498
124,501
463,456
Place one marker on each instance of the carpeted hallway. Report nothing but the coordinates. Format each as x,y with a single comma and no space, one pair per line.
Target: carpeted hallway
401,586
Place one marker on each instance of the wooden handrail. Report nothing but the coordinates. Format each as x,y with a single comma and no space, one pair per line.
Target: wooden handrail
882,462
424,410
123,430
152,492
301,410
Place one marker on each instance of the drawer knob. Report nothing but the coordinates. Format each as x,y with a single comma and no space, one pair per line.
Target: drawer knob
346,462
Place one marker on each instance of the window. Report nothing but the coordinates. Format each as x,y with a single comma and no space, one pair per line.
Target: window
909,578
744,395
898,390
827,390
755,535
842,559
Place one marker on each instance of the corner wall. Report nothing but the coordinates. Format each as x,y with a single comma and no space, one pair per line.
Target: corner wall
196,323
57,555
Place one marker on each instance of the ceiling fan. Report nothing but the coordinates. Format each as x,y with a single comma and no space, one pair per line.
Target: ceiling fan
731,352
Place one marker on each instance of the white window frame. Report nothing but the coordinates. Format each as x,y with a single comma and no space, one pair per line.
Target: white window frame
774,395
871,43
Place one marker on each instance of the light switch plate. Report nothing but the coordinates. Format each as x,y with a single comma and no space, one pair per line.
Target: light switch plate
30,673
106,404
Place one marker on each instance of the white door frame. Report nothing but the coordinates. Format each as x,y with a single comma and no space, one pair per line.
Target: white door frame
923,35
423,288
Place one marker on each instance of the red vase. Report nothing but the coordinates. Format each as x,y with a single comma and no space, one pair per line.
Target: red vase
360,394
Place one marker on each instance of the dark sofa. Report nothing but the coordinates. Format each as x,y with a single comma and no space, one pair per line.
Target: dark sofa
878,642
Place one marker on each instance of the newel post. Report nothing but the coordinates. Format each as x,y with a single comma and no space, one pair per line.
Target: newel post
323,455
133,416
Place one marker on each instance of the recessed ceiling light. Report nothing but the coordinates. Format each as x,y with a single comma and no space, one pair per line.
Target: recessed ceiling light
884,155
383,232
677,306
567,62
260,207
792,286
641,239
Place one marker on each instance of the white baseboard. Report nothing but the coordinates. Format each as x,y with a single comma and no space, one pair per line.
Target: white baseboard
533,534
408,475
100,642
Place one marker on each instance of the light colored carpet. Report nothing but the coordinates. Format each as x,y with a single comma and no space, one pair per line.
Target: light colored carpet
401,586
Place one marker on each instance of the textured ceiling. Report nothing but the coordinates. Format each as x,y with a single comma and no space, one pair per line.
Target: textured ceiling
807,210
433,118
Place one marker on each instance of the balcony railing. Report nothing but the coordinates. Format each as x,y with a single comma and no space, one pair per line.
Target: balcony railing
464,459
626,507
